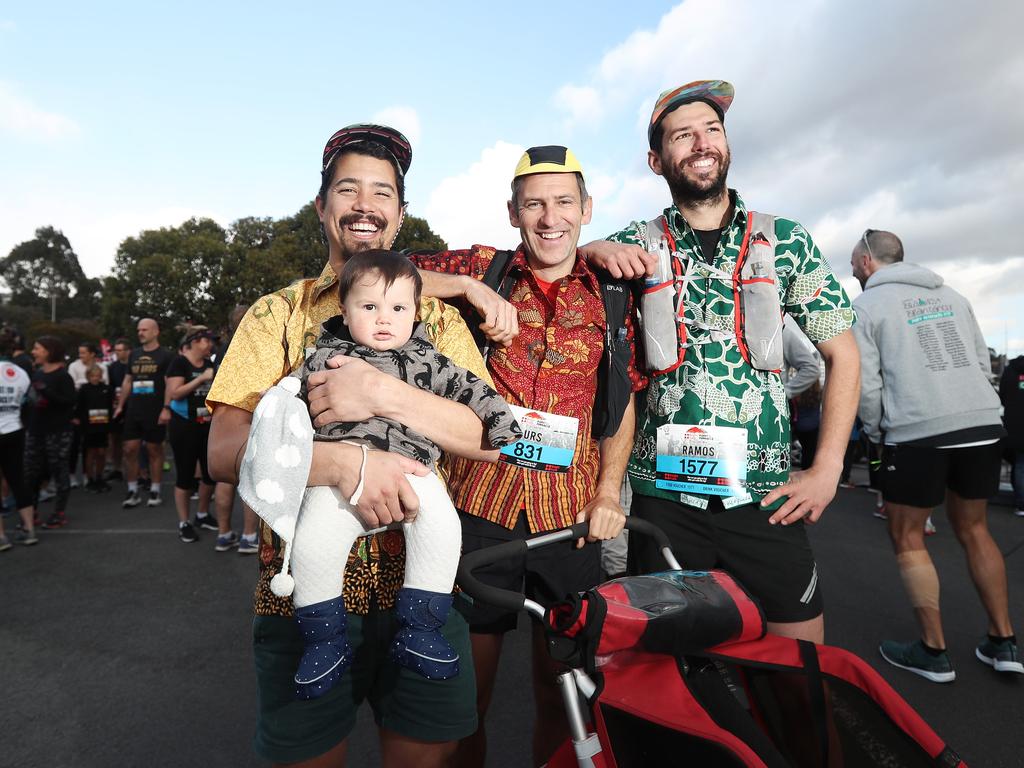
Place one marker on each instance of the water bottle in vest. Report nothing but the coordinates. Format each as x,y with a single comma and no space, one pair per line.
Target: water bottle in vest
657,305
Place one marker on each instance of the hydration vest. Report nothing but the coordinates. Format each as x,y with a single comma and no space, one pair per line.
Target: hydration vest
758,315
614,387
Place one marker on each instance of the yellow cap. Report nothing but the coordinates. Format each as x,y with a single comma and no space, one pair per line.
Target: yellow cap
549,159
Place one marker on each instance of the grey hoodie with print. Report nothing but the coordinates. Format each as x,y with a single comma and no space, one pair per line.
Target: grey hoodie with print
924,362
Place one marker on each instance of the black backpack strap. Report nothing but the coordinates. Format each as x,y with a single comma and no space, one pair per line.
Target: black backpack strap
816,693
500,278
613,385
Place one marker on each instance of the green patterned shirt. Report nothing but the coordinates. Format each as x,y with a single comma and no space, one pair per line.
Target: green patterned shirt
714,385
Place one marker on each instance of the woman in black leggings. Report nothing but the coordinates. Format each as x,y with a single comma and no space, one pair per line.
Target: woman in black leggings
48,442
188,382
14,385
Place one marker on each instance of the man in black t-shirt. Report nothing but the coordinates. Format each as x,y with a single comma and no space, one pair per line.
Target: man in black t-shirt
142,403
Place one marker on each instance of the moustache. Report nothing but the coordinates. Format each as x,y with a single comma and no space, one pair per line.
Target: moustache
352,218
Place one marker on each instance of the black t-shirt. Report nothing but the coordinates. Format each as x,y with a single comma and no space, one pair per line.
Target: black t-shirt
115,373
52,400
192,407
708,243
95,406
148,371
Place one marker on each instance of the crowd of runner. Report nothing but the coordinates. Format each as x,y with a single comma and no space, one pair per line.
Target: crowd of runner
90,419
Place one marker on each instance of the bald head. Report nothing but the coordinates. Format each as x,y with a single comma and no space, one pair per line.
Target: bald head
875,249
149,332
884,247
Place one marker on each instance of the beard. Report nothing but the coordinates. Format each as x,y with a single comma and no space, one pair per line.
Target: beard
701,190
351,248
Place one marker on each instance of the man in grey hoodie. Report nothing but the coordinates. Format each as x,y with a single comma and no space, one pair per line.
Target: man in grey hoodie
926,398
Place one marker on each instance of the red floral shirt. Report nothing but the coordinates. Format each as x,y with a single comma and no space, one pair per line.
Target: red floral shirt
551,366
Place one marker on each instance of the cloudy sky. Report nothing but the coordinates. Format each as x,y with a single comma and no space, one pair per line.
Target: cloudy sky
895,115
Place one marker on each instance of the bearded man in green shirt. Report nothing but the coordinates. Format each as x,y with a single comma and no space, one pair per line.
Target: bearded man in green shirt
711,464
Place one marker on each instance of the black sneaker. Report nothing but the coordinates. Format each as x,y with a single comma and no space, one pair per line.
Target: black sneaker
1001,656
206,522
132,499
56,520
914,658
187,533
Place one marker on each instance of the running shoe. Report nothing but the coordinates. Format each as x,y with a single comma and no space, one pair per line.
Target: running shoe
132,499
880,513
914,658
206,522
187,533
5,544
1019,512
1001,656
74,483
46,494
154,499
56,520
248,545
226,542
929,527
28,538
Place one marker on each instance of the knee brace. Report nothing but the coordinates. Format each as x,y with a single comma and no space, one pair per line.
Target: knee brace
919,578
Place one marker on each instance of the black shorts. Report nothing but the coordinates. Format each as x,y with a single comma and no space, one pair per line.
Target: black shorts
140,423
94,439
918,476
774,562
189,442
545,575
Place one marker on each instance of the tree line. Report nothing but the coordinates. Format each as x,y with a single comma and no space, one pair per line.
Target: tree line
195,272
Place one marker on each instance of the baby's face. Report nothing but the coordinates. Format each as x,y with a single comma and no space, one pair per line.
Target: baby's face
380,319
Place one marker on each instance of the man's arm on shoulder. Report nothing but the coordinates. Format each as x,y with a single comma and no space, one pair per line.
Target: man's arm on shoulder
621,255
811,491
457,274
604,511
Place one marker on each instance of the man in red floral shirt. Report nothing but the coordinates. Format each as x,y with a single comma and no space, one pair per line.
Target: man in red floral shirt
564,474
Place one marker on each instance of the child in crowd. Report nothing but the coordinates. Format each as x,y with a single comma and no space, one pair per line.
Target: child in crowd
93,409
380,293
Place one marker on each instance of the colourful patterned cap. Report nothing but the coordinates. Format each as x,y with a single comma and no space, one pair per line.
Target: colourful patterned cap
716,93
393,141
548,159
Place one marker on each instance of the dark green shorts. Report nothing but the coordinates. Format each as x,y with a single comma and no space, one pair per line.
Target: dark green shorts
289,730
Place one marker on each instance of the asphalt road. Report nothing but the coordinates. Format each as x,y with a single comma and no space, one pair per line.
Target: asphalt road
121,646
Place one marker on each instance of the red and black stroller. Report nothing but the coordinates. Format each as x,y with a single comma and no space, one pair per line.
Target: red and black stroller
675,669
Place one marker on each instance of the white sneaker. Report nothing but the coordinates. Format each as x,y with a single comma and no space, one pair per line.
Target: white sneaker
46,494
929,527
154,500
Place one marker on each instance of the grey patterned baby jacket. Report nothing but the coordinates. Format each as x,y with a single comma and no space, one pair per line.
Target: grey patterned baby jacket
418,363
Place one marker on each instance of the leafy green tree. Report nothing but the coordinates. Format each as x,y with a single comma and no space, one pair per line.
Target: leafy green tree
416,235
198,271
45,268
168,274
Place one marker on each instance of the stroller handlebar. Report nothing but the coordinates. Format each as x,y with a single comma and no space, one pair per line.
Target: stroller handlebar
514,601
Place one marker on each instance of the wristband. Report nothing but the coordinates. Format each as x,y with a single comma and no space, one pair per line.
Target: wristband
362,476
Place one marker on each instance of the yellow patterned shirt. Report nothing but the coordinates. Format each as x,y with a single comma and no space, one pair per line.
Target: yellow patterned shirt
268,344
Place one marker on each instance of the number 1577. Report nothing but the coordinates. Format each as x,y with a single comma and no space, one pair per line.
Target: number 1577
698,466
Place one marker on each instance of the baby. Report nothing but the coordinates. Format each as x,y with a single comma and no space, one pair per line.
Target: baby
380,293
